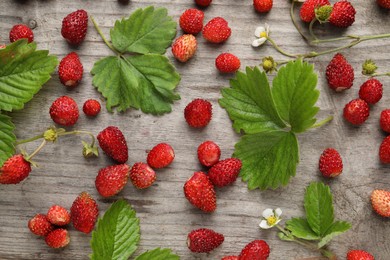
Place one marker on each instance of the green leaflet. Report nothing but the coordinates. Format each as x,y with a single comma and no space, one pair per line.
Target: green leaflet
335,229
301,229
158,254
7,138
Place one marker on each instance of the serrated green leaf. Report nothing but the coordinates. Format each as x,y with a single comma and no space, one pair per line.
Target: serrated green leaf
295,94
147,30
158,254
250,104
319,207
335,229
269,159
142,81
23,71
299,227
7,138
117,233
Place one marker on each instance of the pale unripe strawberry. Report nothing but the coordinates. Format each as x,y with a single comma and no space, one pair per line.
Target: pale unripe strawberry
380,200
184,47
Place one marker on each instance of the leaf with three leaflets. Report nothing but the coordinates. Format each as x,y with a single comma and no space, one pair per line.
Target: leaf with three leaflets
7,138
337,228
158,254
299,227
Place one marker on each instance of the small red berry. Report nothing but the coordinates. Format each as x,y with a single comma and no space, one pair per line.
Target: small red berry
262,6
230,257
40,225
359,255
21,31
371,91
200,192
255,250
330,163
198,113
356,112
58,238
91,107
384,3
343,14
112,179
385,120
227,63
384,150
64,111
191,21
14,170
70,70
160,156
204,240
209,153
84,213
58,215
203,3
113,143
339,73
216,30
74,27
142,176
307,11
225,172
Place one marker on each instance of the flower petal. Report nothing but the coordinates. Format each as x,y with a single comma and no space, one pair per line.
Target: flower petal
268,213
264,225
258,42
278,212
259,30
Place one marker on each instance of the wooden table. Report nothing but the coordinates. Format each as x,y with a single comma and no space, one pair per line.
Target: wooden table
166,216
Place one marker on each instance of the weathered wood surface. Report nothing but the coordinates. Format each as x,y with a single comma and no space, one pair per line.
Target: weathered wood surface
166,216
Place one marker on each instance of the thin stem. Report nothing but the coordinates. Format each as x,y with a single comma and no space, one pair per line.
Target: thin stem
311,29
323,122
316,41
80,132
103,37
280,50
380,74
37,150
29,139
295,22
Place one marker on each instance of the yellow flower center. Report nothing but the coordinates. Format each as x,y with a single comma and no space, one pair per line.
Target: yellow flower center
271,220
263,34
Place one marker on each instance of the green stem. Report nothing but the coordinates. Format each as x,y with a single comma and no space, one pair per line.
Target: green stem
80,132
281,50
29,139
295,22
103,37
311,30
37,150
380,74
323,122
349,37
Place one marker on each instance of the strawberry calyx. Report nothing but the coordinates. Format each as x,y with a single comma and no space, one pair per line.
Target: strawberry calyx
323,13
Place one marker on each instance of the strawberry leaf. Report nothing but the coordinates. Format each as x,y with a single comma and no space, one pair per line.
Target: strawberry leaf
299,227
7,138
335,229
23,71
117,233
158,254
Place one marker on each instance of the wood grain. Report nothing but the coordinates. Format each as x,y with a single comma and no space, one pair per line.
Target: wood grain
166,216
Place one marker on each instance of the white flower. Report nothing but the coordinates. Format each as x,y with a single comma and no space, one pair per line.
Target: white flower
261,33
270,218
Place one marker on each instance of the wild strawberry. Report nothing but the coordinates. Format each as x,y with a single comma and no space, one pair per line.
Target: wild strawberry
359,255
203,3
255,250
40,225
371,91
209,153
160,156
58,238
380,200
84,213
385,120
70,70
3,46
200,192
58,215
91,107
356,112
142,176
339,73
307,13
198,113
204,240
21,31
216,30
230,257
112,179
74,27
113,143
225,172
343,14
227,63
262,6
64,111
191,21
14,170
384,3
384,150
330,164
184,47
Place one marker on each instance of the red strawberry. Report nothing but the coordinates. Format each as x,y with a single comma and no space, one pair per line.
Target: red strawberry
58,215
384,3
198,113
74,27
255,250
225,172
203,3
113,143
385,120
380,200
14,170
216,30
160,156
191,21
200,192
359,255
356,112
184,47
384,150
307,13
339,73
40,225
91,107
70,70
371,91
227,63
84,213
21,31
204,240
209,153
230,257
262,6
112,179
142,176
64,111
343,14
58,238
330,164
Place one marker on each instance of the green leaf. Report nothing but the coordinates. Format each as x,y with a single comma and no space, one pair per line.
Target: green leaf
141,81
269,159
295,94
158,254
117,233
7,138
299,227
319,207
335,229
147,30
250,104
23,71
